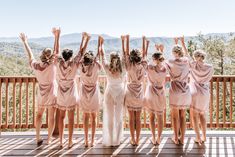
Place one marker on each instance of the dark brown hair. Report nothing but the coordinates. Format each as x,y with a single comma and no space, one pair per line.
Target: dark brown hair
67,54
135,56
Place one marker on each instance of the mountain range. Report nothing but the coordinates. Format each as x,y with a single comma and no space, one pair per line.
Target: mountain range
111,43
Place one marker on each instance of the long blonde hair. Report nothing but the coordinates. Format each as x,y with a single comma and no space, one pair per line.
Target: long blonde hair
47,56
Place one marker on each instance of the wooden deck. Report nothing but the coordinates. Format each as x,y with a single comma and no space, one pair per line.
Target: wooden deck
219,143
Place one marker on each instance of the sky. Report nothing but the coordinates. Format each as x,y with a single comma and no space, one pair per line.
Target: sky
115,17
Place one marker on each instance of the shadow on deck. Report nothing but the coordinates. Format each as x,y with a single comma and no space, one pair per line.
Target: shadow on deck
219,143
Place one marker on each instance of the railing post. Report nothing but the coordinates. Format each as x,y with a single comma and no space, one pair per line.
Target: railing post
231,103
14,103
224,102
217,102
20,104
0,106
6,102
27,102
34,102
211,103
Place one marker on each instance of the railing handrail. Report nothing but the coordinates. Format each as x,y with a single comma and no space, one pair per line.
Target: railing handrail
221,87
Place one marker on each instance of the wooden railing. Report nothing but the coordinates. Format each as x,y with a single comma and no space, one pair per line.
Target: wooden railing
18,104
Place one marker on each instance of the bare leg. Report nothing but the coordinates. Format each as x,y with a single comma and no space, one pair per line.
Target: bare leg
51,123
152,126
159,128
182,125
138,126
39,124
71,125
196,126
175,122
132,126
61,126
86,117
203,125
93,127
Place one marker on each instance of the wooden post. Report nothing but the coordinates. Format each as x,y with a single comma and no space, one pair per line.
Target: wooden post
20,104
34,103
231,102
27,103
0,106
14,103
211,103
217,102
6,102
224,102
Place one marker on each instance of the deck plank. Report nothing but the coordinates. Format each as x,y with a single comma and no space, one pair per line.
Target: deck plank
21,144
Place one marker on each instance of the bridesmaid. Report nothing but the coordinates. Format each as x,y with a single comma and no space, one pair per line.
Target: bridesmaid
179,94
201,74
45,71
113,98
67,99
134,95
155,99
89,93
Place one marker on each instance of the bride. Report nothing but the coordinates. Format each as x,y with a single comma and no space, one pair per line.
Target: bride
113,98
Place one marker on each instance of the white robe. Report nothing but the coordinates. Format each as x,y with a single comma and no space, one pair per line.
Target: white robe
113,109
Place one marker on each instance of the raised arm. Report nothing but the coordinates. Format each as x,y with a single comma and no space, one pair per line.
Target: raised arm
123,45
101,49
184,46
147,47
24,39
127,45
143,46
156,47
161,48
125,49
83,46
56,33
176,40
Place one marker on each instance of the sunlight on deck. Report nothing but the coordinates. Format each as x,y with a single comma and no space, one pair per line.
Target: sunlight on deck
219,143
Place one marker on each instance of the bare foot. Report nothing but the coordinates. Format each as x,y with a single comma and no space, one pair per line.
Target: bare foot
49,140
92,142
203,139
62,143
70,145
132,142
181,141
175,141
86,143
198,141
39,141
153,141
158,141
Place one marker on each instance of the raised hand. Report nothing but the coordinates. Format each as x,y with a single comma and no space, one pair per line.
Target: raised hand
143,45
54,31
157,47
123,37
127,43
182,40
23,37
176,40
161,48
100,45
87,36
147,46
